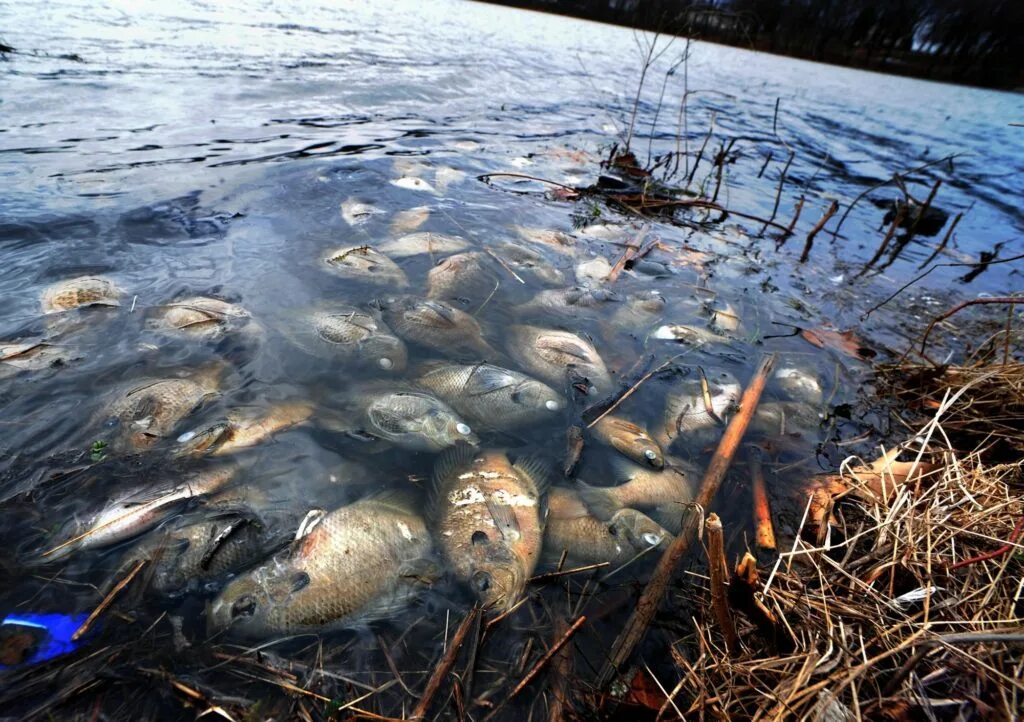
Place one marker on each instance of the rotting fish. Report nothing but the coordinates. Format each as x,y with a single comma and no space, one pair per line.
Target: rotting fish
412,183
462,276
199,317
436,325
629,439
77,292
776,418
725,319
424,243
593,272
800,384
364,561
572,302
639,311
659,492
137,512
412,420
585,539
688,334
558,357
687,411
356,212
555,240
148,411
488,520
33,355
359,337
521,259
446,176
367,264
243,428
409,220
490,396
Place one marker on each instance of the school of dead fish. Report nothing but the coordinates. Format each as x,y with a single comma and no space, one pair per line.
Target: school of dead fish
493,516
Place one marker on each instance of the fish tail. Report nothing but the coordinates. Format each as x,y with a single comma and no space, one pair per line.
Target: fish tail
602,503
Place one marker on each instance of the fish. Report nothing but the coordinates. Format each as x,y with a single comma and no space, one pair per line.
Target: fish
138,511
462,276
800,385
490,396
409,220
780,418
411,183
198,317
558,241
629,439
436,325
31,355
638,311
446,176
488,520
658,492
725,319
366,264
605,232
143,413
572,302
686,409
363,561
359,337
524,260
688,334
243,428
558,357
593,271
585,539
412,420
74,293
356,212
424,243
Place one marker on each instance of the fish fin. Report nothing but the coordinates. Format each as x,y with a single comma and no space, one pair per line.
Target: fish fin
536,469
421,571
486,378
448,463
567,347
434,311
401,499
504,519
221,537
600,501
385,419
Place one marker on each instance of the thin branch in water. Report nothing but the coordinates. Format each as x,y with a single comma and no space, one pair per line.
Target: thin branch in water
833,207
945,240
778,192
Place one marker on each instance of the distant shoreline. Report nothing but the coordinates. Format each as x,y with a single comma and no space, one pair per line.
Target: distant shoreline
894,62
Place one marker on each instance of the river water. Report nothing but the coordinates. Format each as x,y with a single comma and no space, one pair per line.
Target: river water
207,149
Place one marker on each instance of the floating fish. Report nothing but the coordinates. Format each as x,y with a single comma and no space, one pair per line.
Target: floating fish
412,420
800,384
199,317
572,302
558,357
687,410
83,291
356,212
243,429
424,243
630,440
409,220
366,264
359,337
661,493
466,276
412,183
436,325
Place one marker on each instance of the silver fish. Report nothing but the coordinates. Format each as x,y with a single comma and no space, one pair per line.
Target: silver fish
436,325
366,264
412,420
416,244
359,337
558,357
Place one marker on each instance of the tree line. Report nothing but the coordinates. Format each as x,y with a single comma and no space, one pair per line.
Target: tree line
959,40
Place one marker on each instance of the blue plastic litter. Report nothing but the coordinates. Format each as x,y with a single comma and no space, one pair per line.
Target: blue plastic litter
53,632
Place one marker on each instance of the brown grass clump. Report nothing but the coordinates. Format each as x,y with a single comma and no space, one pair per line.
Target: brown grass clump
904,605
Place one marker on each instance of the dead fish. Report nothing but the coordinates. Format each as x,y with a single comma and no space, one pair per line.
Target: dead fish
658,492
572,302
800,384
32,355
83,291
585,539
424,243
690,335
199,317
412,420
639,311
412,183
782,418
725,319
137,512
359,337
446,176
463,276
558,357
356,212
490,396
593,272
145,412
605,232
366,264
489,522
409,220
243,428
436,325
687,411
630,440
557,241
526,261
364,561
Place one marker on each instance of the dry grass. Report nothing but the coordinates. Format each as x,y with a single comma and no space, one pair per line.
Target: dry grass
905,610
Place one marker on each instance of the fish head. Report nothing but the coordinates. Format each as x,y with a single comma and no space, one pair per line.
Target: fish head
252,605
533,394
200,441
386,352
638,529
498,576
444,428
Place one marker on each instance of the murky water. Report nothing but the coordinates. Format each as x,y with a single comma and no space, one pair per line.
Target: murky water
209,151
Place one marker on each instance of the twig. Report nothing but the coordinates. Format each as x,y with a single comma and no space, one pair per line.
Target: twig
796,217
444,666
654,592
1010,543
577,570
764,532
108,600
631,251
630,391
817,227
922,210
945,240
485,177
782,182
961,306
896,221
717,570
561,670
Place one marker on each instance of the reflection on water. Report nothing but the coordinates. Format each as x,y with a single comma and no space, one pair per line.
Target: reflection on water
299,295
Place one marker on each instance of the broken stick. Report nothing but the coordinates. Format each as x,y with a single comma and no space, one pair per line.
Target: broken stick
717,570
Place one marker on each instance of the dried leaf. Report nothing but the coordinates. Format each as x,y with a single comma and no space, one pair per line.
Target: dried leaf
645,692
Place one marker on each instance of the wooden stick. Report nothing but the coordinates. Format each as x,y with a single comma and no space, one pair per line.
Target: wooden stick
629,255
108,600
764,532
654,592
922,210
717,570
896,221
945,240
535,670
565,572
561,670
796,217
444,666
817,228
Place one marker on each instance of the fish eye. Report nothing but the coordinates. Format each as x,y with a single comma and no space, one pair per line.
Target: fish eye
244,606
300,581
386,363
481,581
479,537
650,455
187,436
652,538
463,429
552,405
112,422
